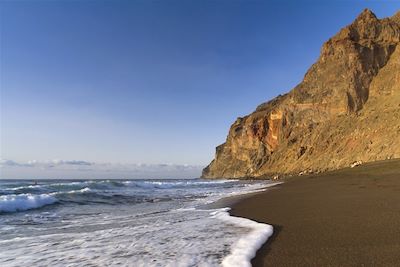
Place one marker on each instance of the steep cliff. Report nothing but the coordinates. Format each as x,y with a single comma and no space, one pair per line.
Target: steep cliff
346,109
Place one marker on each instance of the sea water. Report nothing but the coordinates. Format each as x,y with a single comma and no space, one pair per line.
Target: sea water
125,223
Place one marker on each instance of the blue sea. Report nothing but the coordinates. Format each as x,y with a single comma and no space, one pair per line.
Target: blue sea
125,223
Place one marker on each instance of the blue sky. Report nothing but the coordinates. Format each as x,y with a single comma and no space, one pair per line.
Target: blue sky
150,82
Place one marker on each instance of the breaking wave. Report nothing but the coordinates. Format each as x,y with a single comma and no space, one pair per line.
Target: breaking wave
25,196
169,216
22,202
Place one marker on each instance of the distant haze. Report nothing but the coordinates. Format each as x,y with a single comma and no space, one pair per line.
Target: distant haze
146,89
60,169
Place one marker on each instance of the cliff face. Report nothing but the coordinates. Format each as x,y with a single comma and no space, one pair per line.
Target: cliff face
346,109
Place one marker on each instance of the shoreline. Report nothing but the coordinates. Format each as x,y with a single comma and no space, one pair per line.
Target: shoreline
229,201
347,217
245,248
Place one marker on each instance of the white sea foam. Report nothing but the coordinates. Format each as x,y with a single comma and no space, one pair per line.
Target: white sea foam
21,202
83,190
176,184
25,187
86,189
176,232
246,247
48,185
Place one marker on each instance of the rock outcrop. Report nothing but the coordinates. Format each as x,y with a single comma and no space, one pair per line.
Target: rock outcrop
346,109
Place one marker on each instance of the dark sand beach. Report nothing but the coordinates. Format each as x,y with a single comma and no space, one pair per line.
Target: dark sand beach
349,217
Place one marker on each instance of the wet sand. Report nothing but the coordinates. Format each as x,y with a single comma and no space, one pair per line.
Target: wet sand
349,217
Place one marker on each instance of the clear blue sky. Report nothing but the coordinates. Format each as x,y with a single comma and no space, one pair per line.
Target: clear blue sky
151,81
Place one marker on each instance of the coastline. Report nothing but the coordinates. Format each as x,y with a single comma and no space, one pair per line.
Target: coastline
348,217
245,248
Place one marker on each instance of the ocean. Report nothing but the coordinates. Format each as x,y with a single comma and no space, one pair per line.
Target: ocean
125,223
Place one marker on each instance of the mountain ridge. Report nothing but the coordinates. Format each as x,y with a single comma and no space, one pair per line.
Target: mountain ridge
346,109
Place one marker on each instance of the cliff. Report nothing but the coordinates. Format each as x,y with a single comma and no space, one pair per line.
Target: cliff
346,109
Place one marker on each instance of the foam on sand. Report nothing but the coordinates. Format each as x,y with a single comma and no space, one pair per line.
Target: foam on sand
162,225
246,247
21,202
177,184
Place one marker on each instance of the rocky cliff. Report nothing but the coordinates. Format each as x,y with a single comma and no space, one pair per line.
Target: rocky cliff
346,109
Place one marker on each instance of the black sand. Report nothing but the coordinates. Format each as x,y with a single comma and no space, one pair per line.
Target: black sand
349,217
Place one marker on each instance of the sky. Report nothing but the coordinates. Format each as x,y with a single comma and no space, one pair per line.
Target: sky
149,88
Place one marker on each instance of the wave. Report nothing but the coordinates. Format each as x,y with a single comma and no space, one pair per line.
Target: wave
83,190
46,188
246,247
85,196
177,184
22,202
27,201
26,195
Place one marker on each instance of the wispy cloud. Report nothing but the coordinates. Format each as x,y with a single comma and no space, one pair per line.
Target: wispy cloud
74,168
58,162
72,162
11,163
